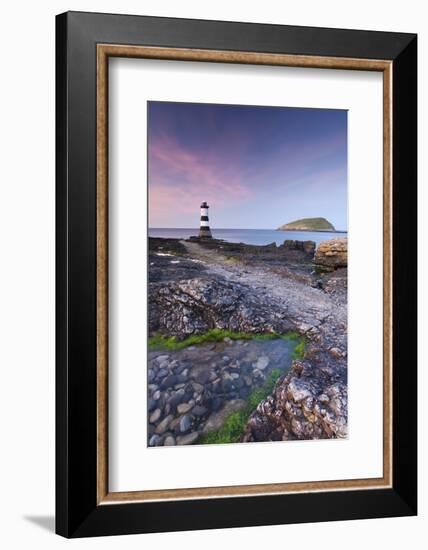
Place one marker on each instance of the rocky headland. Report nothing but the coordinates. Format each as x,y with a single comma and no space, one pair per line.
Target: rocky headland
247,343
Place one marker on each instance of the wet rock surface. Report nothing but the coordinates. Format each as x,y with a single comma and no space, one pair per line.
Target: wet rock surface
248,289
203,384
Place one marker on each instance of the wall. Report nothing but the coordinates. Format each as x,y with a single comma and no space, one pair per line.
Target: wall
27,270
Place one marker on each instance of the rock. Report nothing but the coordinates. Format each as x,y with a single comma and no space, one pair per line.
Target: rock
155,440
154,417
151,405
185,423
156,395
332,253
216,419
202,377
308,247
197,387
310,402
248,381
175,425
199,410
181,379
335,352
169,381
193,306
184,408
162,358
161,373
169,441
176,398
299,390
262,362
187,439
162,426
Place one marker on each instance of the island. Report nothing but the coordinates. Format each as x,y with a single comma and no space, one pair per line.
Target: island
308,224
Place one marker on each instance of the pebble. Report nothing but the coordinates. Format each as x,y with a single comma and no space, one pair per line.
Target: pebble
161,358
199,410
154,440
185,423
169,441
156,395
162,373
175,425
184,408
168,381
154,417
176,398
162,426
262,362
187,439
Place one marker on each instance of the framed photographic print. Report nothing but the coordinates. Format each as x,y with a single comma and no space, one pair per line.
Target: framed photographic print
236,274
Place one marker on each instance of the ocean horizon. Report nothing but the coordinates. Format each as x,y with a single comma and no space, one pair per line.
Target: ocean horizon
248,236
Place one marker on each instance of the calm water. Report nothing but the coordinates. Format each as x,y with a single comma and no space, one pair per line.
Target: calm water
249,236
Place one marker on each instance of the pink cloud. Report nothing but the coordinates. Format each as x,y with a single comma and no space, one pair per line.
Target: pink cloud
179,179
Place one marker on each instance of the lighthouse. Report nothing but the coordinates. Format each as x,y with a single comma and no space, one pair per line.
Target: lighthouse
204,228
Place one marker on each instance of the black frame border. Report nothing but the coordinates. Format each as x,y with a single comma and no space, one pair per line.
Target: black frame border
77,512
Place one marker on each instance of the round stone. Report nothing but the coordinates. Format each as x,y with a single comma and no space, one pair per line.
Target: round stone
262,362
154,440
187,439
154,417
169,441
185,423
162,426
184,408
162,373
199,410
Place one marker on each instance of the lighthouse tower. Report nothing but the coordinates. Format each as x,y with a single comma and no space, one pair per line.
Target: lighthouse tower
204,229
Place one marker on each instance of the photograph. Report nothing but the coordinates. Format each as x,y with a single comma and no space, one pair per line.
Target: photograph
247,273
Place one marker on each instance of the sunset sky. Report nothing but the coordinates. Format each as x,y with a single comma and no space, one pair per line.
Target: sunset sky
257,167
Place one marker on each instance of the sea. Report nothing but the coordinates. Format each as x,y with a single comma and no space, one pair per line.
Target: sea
250,236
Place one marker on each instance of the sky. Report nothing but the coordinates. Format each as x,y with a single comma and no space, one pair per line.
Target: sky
257,167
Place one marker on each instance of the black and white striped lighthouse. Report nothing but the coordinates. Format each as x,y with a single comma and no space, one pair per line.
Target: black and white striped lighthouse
204,228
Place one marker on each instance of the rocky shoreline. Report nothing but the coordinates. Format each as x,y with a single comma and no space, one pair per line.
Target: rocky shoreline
197,287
